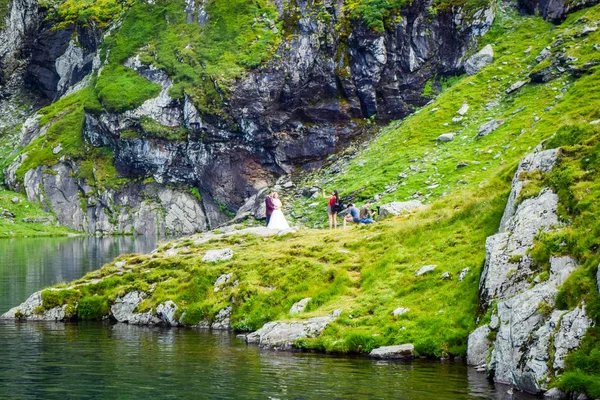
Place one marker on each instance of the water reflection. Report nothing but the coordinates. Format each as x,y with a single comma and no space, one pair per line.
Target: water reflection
26,265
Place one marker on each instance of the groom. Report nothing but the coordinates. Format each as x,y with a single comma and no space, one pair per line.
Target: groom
270,207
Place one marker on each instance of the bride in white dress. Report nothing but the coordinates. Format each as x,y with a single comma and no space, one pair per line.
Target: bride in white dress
277,220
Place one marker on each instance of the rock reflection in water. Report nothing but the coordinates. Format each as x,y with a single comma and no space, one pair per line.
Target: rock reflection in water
101,360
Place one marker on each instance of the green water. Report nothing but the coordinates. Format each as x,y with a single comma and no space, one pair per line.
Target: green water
117,361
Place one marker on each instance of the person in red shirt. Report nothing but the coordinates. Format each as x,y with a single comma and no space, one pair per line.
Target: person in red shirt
332,208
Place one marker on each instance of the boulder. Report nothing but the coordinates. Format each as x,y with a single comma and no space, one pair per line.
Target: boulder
213,256
446,137
489,127
478,346
283,335
446,275
299,306
425,269
515,86
393,352
479,60
463,274
27,310
399,311
222,280
222,320
166,312
124,310
463,109
555,393
398,208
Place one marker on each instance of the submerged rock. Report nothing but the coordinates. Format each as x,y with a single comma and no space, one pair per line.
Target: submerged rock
393,352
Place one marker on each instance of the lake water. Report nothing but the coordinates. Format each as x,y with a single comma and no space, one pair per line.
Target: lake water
117,361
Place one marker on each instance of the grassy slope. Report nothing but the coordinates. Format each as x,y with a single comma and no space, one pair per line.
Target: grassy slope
410,148
369,271
15,227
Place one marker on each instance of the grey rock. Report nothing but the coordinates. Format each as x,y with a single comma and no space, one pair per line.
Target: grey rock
398,208
489,127
15,200
299,306
515,86
393,352
399,311
555,393
545,53
166,312
446,137
27,311
542,161
222,280
598,278
494,322
445,275
479,60
425,269
120,264
573,327
213,256
463,274
478,346
283,335
124,310
463,109
222,320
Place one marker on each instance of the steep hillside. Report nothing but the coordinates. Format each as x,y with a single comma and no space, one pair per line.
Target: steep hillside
364,283
217,99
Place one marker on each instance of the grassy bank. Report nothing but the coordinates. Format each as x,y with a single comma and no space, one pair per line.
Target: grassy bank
20,218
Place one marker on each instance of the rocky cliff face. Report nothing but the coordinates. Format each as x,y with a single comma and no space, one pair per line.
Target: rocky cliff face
527,340
302,105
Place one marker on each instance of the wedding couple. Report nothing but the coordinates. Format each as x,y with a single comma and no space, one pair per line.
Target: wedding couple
275,217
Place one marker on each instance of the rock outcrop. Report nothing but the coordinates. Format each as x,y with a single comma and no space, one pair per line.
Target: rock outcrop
479,60
554,10
32,310
398,208
531,337
283,335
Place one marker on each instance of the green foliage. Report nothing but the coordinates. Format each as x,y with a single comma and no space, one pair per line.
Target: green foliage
121,89
56,298
202,61
154,129
583,367
85,12
92,308
4,10
373,13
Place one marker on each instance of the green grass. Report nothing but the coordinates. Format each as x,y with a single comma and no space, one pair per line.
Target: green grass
120,89
367,272
4,10
65,121
15,227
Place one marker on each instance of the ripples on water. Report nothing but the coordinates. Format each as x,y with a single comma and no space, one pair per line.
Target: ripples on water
106,361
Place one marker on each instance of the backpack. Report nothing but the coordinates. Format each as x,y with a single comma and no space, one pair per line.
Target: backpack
338,206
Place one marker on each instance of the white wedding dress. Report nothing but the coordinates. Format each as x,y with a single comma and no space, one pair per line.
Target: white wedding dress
277,220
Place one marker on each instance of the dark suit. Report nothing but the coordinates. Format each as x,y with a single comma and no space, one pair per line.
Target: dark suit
270,207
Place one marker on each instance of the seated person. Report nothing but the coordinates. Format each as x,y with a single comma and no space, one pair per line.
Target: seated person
366,214
352,216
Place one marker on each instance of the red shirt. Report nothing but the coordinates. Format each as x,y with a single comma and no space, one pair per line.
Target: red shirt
331,201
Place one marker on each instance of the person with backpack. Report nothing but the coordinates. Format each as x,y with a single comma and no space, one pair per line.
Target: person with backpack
334,206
